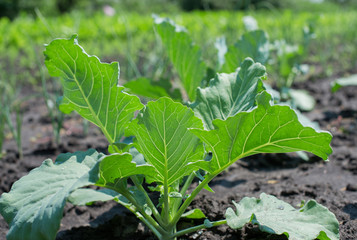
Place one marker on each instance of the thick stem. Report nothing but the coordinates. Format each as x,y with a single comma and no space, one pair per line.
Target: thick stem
166,204
198,227
188,201
184,188
138,211
187,184
200,186
149,221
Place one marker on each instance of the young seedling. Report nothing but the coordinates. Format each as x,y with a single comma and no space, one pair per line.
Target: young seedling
9,106
344,82
230,119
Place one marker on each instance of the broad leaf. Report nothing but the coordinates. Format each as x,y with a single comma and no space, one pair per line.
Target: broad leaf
229,94
306,122
91,87
34,206
173,91
185,57
114,167
86,196
266,129
162,136
341,82
252,44
119,147
302,118
194,214
144,87
301,99
312,221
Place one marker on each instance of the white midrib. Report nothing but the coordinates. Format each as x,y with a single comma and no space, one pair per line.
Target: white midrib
94,114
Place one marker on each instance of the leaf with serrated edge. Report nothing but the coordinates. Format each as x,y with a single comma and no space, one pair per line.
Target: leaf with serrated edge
162,136
312,221
266,129
229,94
91,87
117,166
254,44
184,55
34,206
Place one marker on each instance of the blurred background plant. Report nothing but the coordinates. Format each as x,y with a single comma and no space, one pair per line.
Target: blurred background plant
10,108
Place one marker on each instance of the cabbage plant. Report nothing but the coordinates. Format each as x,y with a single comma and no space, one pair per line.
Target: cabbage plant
172,145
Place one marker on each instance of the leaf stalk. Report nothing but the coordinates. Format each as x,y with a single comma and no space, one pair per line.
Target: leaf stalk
183,192
148,200
198,227
150,222
188,201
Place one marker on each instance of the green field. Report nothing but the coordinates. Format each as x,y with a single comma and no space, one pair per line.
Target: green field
130,38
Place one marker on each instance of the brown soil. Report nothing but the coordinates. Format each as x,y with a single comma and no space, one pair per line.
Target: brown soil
333,183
